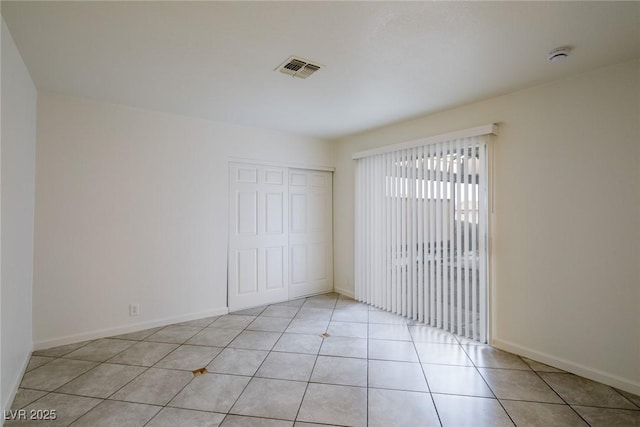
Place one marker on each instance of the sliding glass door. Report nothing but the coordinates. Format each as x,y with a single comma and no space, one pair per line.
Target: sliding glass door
421,234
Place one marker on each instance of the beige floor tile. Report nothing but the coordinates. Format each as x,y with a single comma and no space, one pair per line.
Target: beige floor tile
199,323
233,321
348,329
189,357
299,302
37,361
117,414
241,421
328,303
300,424
314,313
576,390
350,315
334,404
484,356
542,414
55,374
269,324
102,381
449,379
322,300
540,367
144,353
381,331
444,354
344,347
287,312
155,386
255,311
270,398
634,398
351,304
100,350
256,340
68,408
287,366
299,343
400,351
237,361
606,417
174,334
214,337
396,375
308,326
60,350
172,417
138,335
24,397
397,408
340,370
518,385
211,392
467,411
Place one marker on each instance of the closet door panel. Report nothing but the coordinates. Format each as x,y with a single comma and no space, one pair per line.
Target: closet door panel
258,236
310,232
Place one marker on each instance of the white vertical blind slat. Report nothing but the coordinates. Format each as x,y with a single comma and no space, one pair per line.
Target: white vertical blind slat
432,225
474,220
482,258
396,236
419,233
458,265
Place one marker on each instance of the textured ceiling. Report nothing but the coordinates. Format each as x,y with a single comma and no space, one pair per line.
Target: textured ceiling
385,61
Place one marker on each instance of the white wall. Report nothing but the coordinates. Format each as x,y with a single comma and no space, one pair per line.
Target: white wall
17,187
567,218
132,207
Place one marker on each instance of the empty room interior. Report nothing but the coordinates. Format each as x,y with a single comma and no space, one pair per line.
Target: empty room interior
317,213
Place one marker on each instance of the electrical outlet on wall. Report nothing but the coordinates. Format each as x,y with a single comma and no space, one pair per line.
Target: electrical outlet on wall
134,309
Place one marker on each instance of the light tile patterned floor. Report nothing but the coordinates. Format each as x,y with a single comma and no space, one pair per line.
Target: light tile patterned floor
269,366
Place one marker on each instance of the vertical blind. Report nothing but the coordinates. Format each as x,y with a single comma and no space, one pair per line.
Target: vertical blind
421,234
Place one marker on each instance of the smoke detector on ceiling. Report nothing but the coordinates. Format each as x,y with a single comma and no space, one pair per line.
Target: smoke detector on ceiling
298,67
559,53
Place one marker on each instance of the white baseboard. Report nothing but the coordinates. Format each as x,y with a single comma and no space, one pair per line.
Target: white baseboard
8,400
569,366
118,330
345,292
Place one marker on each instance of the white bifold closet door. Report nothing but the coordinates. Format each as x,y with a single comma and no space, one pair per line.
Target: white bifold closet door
280,239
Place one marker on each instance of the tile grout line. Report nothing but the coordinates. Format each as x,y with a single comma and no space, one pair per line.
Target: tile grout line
304,394
228,412
142,373
558,394
424,374
265,358
367,383
102,400
487,384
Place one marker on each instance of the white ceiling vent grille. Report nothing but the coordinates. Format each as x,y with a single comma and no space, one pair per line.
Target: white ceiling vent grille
298,67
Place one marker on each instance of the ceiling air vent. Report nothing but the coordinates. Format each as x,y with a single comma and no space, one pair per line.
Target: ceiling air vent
298,67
